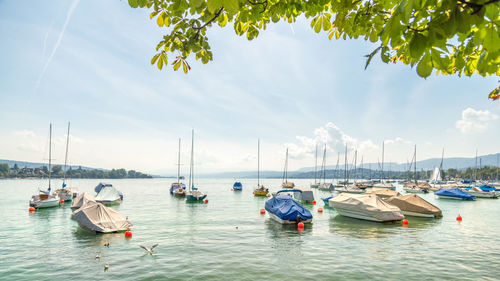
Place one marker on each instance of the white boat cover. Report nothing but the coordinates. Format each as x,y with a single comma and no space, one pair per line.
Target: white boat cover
81,199
107,193
382,192
368,205
415,204
384,185
96,217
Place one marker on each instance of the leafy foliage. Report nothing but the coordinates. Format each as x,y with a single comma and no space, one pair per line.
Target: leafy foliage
442,36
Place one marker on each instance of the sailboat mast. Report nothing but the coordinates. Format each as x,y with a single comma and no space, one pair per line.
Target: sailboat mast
324,164
179,163
285,172
337,166
258,162
382,167
415,163
50,152
66,157
475,172
355,163
316,165
345,166
361,168
191,166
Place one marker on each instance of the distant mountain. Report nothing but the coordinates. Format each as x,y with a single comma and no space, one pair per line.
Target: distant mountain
459,163
22,164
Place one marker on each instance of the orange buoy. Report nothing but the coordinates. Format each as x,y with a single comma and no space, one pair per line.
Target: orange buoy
61,201
320,210
300,225
459,218
206,201
31,209
405,221
314,202
128,234
262,211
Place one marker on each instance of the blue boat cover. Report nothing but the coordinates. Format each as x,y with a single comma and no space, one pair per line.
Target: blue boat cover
237,185
488,188
468,181
454,192
286,208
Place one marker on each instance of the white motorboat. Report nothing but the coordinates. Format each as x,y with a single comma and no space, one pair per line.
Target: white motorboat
365,207
416,206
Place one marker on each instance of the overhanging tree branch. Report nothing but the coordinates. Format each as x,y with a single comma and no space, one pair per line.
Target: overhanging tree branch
198,29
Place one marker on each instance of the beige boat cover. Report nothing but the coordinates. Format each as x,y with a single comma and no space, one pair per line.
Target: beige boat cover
368,205
81,199
382,192
96,217
414,203
384,185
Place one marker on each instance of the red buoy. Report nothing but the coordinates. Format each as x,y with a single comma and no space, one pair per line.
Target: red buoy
262,211
459,218
405,221
128,234
314,202
300,225
31,209
320,210
61,201
206,201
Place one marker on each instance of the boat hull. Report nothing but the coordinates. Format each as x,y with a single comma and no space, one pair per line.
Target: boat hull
420,215
261,193
110,202
356,215
453,198
277,219
491,195
48,203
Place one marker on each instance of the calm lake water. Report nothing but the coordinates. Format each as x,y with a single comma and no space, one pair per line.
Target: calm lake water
228,239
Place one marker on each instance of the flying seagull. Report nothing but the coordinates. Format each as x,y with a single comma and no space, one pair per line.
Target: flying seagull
149,251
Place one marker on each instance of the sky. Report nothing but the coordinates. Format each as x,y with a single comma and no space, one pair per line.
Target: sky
88,63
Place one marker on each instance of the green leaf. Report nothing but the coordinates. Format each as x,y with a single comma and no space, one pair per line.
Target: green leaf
370,56
424,67
133,3
231,6
177,64
491,41
159,19
153,60
213,5
195,3
160,64
417,45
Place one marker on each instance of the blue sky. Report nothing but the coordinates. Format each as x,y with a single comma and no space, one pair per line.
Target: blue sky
88,62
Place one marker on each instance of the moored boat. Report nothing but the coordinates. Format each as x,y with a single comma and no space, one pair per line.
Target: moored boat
414,205
480,193
193,194
81,200
382,192
454,193
365,207
94,216
178,188
107,194
285,209
66,193
237,186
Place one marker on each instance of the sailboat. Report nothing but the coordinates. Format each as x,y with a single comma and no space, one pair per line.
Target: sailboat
193,194
178,188
416,187
349,188
286,183
66,193
324,186
45,199
316,183
260,190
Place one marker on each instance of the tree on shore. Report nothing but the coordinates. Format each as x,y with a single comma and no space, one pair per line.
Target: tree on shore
443,36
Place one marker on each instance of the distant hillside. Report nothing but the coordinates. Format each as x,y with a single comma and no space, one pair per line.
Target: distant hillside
23,164
459,163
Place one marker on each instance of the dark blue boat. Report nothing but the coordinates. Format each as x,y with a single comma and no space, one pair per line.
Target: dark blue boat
237,186
177,185
454,193
284,209
488,188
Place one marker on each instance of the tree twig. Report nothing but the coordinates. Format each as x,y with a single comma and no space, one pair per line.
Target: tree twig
198,29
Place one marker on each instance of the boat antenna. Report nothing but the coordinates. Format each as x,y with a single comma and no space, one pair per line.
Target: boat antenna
66,158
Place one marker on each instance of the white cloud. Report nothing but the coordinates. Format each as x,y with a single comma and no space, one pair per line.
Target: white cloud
331,135
398,140
474,121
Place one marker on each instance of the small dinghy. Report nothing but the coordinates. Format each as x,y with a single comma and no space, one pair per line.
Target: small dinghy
94,216
414,205
365,207
107,194
178,189
382,192
81,200
237,186
44,200
285,210
454,193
